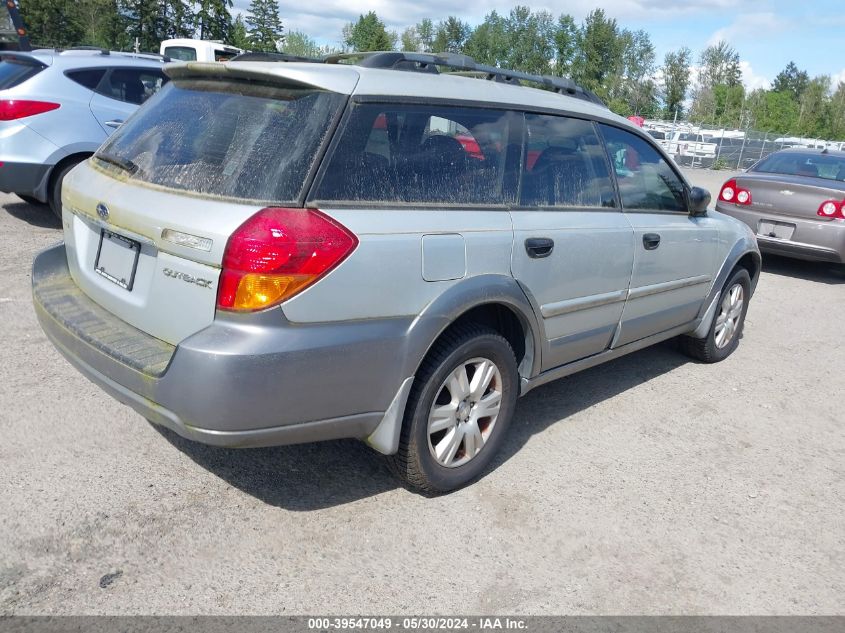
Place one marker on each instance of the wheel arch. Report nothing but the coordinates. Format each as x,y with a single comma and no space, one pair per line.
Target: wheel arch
744,254
496,301
493,300
47,186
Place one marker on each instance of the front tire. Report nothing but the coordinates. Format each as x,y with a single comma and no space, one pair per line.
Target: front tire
728,322
459,410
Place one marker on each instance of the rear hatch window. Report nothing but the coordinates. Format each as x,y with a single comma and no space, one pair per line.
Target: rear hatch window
16,70
236,140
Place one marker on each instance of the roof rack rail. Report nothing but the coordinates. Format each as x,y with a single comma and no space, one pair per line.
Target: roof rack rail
98,49
249,56
163,58
464,65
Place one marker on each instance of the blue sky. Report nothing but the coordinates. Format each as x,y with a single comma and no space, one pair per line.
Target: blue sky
766,33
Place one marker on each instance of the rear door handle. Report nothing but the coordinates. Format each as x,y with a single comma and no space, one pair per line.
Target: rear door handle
651,241
539,247
115,124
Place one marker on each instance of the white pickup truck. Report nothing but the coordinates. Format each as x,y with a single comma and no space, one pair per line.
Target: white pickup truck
689,145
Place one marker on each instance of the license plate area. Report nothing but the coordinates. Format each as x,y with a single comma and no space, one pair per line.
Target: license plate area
778,230
117,259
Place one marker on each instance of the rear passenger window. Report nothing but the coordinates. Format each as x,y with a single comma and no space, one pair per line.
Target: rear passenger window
88,78
132,85
565,165
646,181
423,154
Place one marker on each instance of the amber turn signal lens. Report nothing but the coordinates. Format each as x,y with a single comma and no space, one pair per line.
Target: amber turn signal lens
260,291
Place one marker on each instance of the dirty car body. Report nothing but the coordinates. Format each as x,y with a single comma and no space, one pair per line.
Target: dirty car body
396,244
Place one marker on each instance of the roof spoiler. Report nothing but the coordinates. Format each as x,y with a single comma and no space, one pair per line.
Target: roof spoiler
293,77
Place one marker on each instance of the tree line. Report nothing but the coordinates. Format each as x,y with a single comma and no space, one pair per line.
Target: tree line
618,64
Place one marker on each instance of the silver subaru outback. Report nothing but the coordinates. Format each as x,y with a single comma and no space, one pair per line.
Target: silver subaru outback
273,253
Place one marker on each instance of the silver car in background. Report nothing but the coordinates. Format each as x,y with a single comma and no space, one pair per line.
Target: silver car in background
794,200
57,107
273,253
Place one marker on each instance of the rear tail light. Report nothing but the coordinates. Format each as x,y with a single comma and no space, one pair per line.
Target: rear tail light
731,192
832,209
11,109
277,253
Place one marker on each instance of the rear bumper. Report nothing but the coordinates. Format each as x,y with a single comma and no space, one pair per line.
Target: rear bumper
23,178
233,383
812,240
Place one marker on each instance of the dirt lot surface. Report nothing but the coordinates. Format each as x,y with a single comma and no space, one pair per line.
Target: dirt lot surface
648,485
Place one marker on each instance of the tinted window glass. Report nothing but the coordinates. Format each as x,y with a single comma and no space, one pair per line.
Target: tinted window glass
236,140
14,72
646,181
565,165
422,154
88,78
132,85
222,56
800,164
182,53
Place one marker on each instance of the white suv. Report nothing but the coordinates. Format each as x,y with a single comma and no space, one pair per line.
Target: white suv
58,106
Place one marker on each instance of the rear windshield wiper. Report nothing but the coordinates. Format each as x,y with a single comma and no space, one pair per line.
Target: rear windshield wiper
124,163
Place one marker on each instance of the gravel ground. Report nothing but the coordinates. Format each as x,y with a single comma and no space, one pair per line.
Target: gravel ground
650,485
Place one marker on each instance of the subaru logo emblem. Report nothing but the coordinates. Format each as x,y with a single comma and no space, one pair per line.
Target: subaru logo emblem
103,211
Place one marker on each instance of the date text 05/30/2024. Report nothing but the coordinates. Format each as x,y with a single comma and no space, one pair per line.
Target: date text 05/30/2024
417,623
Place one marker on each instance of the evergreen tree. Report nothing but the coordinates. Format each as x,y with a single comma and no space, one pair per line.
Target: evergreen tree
676,80
566,43
212,21
451,35
265,27
238,35
53,22
175,20
298,43
792,80
488,42
143,23
599,53
425,33
410,40
368,34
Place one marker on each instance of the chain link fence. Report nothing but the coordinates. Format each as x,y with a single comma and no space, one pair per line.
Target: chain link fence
712,148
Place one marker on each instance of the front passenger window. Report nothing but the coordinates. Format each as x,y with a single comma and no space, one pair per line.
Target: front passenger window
132,85
646,180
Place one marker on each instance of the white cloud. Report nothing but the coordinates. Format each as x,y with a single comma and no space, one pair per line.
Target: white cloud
756,25
838,78
752,80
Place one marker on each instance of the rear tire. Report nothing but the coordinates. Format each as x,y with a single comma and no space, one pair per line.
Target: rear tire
55,189
728,322
447,441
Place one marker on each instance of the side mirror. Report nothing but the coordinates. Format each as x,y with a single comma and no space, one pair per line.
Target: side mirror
698,200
